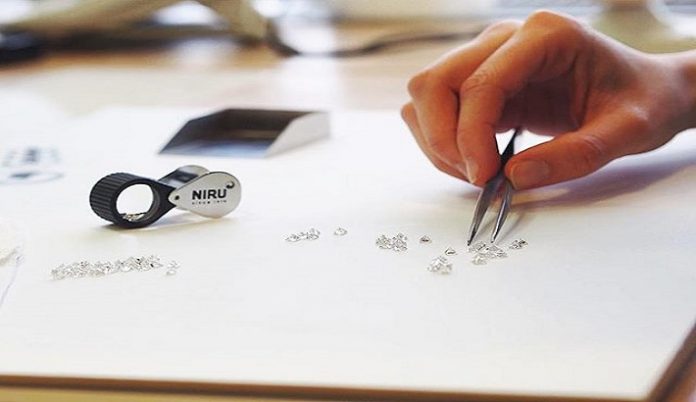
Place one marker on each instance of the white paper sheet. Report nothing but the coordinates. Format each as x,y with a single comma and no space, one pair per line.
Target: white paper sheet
596,306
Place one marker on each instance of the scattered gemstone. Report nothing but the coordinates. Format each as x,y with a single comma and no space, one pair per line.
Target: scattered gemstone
518,244
476,247
127,265
450,251
99,268
340,232
311,234
479,260
492,251
440,265
487,251
59,272
397,243
425,240
383,242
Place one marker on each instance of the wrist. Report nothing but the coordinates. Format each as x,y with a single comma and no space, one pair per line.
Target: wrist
686,64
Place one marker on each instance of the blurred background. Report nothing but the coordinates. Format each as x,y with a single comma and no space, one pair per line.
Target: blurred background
82,55
30,26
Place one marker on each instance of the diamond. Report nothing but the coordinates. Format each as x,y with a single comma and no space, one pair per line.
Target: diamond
397,243
399,246
425,240
128,265
479,260
440,265
109,268
518,244
172,268
311,234
340,232
153,262
292,238
476,247
58,272
383,242
493,251
100,268
450,251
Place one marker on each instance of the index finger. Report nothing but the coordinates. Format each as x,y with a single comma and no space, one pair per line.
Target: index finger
531,54
435,91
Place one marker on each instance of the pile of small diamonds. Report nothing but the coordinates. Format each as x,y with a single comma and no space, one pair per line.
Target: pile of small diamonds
518,244
396,243
440,265
311,234
95,269
483,252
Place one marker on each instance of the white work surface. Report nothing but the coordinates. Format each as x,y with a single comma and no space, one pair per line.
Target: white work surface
596,306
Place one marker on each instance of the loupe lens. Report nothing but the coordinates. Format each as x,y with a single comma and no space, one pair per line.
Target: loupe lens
135,202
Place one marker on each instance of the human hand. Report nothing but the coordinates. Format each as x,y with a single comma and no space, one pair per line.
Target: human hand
552,75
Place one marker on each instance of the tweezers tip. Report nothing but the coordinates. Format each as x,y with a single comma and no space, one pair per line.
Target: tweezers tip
471,238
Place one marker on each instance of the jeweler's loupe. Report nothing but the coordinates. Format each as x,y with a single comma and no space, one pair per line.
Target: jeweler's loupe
191,188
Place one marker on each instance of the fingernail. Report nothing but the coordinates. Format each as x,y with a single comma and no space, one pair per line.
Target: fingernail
471,169
529,173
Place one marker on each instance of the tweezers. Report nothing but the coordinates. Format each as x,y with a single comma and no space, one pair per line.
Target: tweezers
490,190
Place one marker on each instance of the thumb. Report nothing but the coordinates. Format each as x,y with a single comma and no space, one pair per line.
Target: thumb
575,154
